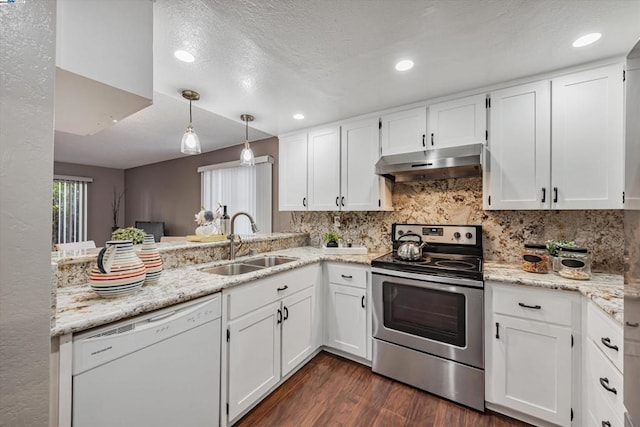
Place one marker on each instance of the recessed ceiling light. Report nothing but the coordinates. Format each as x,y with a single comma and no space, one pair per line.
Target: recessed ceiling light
404,65
184,56
114,121
298,116
587,39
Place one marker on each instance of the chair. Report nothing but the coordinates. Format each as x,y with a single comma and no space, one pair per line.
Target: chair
75,246
152,227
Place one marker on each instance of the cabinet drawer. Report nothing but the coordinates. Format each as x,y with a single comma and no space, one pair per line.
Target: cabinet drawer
606,334
534,304
245,298
601,374
348,275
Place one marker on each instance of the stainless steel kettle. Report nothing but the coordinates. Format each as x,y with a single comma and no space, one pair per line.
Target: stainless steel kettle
410,250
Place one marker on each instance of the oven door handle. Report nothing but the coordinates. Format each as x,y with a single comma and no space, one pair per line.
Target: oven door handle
425,280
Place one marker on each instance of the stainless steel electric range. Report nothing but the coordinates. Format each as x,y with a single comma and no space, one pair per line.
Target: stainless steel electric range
428,311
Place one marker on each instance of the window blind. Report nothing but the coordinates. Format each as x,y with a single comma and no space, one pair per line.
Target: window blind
69,209
241,188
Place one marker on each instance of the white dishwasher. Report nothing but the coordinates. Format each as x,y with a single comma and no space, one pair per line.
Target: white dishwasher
160,369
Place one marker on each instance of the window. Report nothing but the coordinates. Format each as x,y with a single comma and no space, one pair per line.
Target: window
69,209
241,188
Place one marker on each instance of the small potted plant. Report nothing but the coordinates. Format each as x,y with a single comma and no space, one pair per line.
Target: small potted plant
553,249
130,233
331,239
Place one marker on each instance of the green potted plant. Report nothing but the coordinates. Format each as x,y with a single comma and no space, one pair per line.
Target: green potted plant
331,239
553,249
130,233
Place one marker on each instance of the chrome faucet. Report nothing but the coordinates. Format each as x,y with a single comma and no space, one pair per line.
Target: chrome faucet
232,236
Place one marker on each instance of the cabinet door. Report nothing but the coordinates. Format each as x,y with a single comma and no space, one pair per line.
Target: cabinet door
324,169
297,328
458,122
360,186
518,166
632,135
347,319
293,172
587,167
531,368
254,357
404,131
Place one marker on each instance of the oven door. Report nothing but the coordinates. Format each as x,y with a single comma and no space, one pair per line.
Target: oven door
432,316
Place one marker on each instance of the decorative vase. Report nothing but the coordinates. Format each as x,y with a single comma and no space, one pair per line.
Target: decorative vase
151,259
207,229
118,271
332,244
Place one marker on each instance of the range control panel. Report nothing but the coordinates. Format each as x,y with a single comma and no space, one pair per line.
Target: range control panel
443,234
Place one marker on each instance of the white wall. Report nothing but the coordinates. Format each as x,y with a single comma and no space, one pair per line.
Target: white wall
27,65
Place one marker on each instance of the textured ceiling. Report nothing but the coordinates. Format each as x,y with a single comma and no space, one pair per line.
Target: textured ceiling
334,59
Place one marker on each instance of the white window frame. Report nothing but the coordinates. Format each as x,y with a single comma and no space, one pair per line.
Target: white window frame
263,189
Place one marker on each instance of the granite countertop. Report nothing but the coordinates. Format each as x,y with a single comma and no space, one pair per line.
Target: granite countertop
79,308
605,290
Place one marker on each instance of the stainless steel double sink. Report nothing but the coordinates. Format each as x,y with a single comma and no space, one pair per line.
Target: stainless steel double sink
249,265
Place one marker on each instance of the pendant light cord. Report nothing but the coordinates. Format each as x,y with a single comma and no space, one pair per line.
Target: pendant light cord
190,118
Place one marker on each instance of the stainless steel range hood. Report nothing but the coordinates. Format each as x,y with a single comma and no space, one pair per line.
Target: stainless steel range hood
449,162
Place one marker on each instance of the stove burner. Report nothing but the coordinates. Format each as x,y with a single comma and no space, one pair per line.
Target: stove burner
412,261
458,265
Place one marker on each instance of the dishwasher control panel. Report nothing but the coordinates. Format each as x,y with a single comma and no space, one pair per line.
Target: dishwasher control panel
93,348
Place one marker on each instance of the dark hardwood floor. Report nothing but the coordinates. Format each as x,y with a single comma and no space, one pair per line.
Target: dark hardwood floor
333,391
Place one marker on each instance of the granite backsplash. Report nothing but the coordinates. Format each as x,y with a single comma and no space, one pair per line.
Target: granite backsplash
459,201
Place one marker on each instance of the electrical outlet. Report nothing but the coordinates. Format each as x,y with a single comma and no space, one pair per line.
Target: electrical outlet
336,221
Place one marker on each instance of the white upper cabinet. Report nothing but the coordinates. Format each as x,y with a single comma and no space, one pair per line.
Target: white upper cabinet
458,122
292,151
587,139
324,169
517,166
632,136
361,188
564,151
104,60
404,131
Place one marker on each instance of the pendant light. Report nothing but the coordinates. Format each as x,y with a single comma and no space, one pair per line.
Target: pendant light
246,156
190,141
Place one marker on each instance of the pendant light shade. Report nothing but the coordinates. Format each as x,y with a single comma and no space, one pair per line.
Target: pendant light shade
190,141
246,155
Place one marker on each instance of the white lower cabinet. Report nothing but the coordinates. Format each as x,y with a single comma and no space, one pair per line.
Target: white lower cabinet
254,357
603,379
347,312
532,358
297,328
272,327
532,368
347,319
